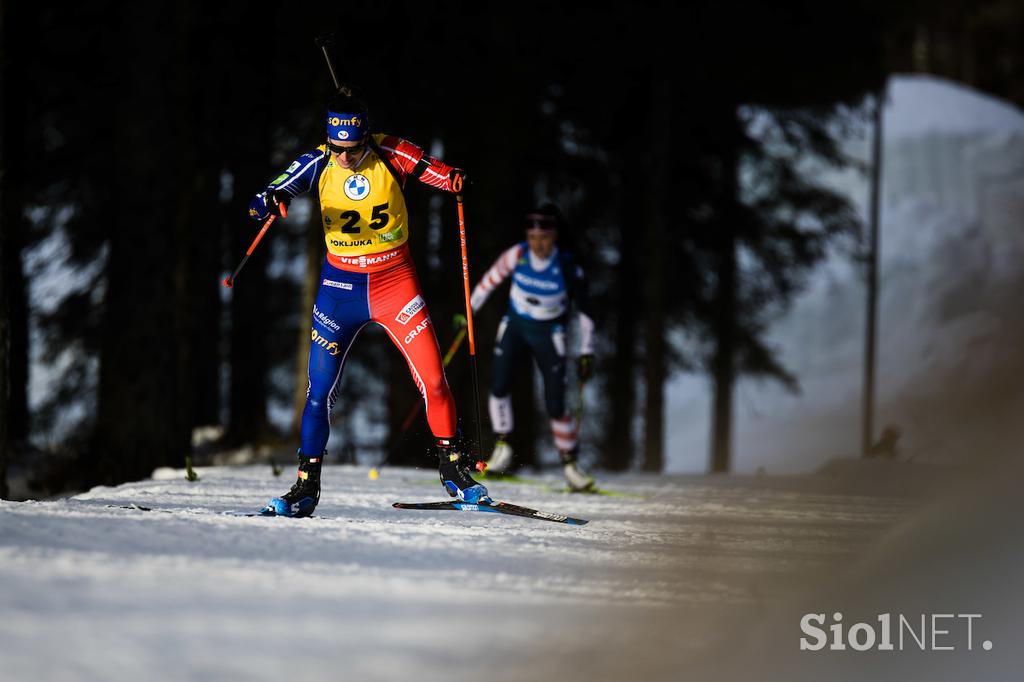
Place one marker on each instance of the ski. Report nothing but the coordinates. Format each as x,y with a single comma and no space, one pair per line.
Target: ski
259,512
492,507
265,511
139,507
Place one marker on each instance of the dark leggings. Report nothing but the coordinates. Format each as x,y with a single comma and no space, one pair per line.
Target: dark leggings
545,341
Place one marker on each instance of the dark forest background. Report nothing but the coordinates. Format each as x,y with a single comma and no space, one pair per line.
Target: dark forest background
134,135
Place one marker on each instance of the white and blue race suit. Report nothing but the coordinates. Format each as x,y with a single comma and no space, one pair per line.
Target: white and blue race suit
535,325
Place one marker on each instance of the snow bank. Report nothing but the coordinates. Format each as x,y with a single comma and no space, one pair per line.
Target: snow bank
921,105
950,323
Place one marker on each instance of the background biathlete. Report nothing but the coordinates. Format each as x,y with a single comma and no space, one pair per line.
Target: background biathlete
545,280
368,276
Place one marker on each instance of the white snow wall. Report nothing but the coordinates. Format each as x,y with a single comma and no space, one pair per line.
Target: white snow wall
950,322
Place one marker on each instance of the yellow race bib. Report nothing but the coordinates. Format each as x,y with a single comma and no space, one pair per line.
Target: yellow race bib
362,209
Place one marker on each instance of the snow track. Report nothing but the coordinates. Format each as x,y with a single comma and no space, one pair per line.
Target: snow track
364,591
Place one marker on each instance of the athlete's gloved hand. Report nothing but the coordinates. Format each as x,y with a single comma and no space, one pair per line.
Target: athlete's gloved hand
585,367
268,203
277,198
460,181
458,321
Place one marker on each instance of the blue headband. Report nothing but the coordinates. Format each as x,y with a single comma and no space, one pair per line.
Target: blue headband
346,127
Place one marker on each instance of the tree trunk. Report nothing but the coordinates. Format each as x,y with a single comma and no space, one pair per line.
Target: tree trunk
723,363
4,342
4,360
247,395
621,390
17,415
12,198
197,188
248,355
654,390
203,296
5,213
138,427
656,275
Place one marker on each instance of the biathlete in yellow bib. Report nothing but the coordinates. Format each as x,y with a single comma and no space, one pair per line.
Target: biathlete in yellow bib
368,276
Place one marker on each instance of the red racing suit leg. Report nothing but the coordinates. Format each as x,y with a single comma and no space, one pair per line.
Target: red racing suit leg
396,303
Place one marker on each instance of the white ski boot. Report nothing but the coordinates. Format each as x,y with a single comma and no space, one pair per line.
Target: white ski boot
577,479
501,456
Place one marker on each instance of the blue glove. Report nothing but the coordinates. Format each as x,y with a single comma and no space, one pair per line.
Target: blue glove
268,203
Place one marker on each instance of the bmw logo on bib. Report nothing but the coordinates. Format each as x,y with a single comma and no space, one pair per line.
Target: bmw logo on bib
357,187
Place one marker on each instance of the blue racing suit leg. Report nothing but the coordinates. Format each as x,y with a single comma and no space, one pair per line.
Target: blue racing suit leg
545,341
340,311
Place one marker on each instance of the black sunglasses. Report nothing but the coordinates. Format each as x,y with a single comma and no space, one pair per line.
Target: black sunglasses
338,149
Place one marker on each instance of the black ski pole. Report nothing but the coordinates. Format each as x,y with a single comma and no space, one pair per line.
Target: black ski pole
469,319
323,42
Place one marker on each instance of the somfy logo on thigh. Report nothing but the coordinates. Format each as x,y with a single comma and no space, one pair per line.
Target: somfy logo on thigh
318,339
410,309
337,285
893,632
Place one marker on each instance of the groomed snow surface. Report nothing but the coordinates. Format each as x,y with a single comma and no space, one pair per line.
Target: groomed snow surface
677,576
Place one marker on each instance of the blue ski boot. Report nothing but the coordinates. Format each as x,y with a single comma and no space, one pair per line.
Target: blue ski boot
455,475
301,500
